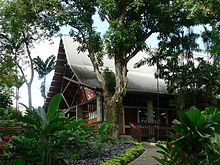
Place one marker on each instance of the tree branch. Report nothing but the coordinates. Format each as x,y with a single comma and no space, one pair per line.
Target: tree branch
30,59
122,17
21,70
130,56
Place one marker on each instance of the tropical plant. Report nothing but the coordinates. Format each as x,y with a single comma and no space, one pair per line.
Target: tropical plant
103,136
43,68
52,136
42,126
194,138
5,100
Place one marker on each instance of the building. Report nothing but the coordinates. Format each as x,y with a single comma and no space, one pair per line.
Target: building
146,105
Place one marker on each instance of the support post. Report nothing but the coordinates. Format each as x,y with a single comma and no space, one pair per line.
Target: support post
150,110
79,112
99,108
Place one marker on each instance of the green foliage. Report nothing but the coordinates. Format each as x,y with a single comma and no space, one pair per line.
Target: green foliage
5,100
197,83
9,124
110,81
127,156
195,138
6,154
211,38
103,135
43,68
8,76
16,162
8,79
104,131
27,148
169,157
50,136
53,138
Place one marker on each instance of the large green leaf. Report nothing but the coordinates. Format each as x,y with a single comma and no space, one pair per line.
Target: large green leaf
42,115
216,117
183,117
105,126
16,162
211,110
53,107
195,117
161,161
76,123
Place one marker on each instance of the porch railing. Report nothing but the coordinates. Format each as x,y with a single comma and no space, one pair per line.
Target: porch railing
135,132
149,131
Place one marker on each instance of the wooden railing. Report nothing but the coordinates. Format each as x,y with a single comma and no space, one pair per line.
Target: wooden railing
149,131
135,132
154,131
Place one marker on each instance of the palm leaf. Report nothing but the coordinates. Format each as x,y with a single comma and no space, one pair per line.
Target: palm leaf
43,89
53,107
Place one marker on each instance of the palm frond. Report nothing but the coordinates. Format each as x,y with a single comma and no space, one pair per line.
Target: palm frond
50,63
44,68
43,89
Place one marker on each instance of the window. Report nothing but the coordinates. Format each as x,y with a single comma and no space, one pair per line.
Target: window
143,116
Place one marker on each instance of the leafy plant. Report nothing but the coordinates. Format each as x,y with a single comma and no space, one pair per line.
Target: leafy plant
5,99
103,135
195,138
169,156
52,133
127,156
5,152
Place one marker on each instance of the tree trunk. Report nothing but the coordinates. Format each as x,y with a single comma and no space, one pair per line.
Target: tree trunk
119,116
17,98
45,96
29,95
114,111
114,105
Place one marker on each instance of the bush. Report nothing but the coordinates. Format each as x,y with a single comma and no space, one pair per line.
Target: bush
127,156
195,139
49,137
53,138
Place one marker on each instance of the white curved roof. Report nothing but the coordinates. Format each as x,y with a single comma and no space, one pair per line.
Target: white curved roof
139,79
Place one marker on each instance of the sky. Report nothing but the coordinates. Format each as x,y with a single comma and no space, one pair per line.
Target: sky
50,47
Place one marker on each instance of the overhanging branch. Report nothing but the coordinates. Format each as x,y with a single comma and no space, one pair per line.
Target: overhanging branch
139,47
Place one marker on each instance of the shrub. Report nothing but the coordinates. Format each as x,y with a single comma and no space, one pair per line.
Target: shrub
127,156
195,138
51,136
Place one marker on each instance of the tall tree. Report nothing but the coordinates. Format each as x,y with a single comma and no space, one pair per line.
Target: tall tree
43,68
130,25
19,29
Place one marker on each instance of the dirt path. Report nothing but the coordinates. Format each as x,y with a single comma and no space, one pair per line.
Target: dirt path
146,157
